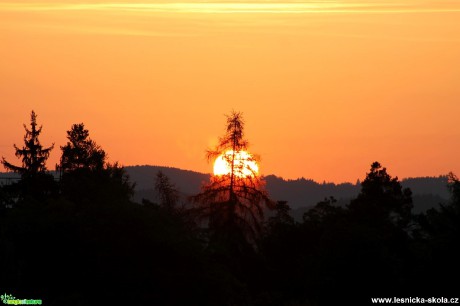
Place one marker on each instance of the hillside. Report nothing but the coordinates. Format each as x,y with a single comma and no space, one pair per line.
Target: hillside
300,193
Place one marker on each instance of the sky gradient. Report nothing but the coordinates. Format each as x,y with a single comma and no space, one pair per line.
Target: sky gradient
326,87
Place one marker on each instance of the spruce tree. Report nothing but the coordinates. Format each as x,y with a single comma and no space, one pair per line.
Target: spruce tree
33,154
35,181
81,152
86,175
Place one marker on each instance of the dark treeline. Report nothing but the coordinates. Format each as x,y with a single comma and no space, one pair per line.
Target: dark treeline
82,240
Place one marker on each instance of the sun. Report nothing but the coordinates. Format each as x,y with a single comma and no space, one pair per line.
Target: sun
244,164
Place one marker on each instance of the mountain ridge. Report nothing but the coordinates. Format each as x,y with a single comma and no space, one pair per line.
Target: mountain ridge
301,194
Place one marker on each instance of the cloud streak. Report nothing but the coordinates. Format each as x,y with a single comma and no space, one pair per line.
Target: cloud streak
243,8
193,19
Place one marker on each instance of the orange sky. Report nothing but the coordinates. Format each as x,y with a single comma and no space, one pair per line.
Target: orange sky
325,88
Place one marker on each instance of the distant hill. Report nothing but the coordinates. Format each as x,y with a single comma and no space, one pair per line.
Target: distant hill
428,185
301,194
306,192
188,182
298,193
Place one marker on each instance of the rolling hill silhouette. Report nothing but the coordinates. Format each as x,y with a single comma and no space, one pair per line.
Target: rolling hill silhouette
301,194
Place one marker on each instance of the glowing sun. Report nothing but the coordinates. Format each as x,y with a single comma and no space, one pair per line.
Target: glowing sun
244,164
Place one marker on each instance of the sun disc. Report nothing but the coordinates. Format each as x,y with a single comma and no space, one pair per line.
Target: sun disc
244,164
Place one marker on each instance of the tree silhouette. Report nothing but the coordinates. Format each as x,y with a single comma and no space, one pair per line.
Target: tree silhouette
167,192
440,229
86,174
81,152
35,181
382,197
454,187
281,216
234,203
323,210
33,154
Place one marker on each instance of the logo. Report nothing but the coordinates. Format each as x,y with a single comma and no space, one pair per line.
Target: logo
11,300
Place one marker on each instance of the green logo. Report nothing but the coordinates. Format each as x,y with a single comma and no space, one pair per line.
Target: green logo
11,300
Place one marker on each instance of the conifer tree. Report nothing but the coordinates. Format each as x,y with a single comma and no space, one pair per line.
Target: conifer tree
81,152
383,197
33,154
86,174
35,181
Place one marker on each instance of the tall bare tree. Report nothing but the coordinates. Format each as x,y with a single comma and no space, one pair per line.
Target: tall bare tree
167,191
234,202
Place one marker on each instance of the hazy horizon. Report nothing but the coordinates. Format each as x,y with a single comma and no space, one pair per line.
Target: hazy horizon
361,178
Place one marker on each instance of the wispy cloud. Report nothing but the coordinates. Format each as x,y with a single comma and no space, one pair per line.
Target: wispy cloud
239,7
195,19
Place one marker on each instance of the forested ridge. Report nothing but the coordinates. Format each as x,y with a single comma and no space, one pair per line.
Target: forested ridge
301,194
79,238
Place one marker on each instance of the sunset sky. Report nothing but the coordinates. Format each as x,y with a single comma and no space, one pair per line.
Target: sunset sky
326,87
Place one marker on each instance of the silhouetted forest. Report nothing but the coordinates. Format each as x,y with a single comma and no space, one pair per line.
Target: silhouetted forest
78,238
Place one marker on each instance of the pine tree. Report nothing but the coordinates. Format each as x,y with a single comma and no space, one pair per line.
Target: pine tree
86,174
33,154
81,152
35,181
383,197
